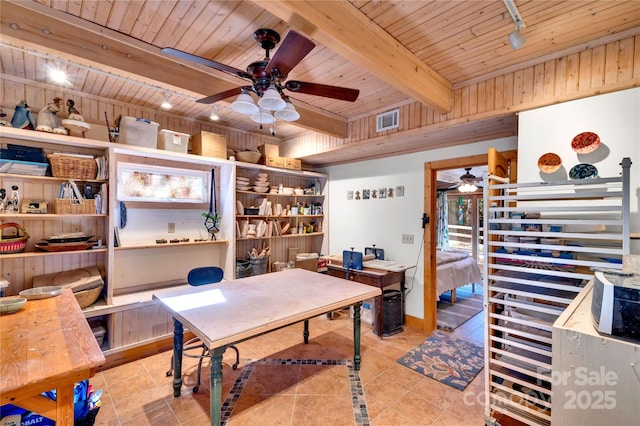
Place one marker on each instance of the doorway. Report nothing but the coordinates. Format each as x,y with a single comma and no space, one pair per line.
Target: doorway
430,238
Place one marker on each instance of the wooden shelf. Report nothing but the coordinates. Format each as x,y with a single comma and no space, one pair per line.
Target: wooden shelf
48,178
41,216
168,244
300,216
267,194
313,234
49,253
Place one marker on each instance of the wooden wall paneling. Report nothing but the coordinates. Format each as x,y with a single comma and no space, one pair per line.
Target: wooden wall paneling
509,90
130,326
549,79
162,321
636,57
499,95
116,329
572,74
528,80
465,101
625,59
611,63
584,71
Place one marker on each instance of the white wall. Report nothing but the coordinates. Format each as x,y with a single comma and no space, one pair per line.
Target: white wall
615,117
361,223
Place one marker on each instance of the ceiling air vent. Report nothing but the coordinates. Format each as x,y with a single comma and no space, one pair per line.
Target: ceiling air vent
388,120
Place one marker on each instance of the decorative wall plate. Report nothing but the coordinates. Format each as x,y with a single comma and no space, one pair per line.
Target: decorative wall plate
585,142
549,162
583,171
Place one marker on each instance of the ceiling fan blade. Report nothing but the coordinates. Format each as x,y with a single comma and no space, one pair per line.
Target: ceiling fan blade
335,92
203,61
220,96
294,47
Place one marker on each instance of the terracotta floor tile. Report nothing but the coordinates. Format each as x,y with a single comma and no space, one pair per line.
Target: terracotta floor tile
277,387
323,380
383,390
310,410
391,417
417,409
161,416
273,380
263,410
435,392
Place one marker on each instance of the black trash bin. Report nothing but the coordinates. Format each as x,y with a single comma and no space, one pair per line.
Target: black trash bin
391,313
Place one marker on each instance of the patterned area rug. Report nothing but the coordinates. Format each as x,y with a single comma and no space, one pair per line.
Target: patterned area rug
452,361
451,316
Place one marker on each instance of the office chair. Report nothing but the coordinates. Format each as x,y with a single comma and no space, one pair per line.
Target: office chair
197,277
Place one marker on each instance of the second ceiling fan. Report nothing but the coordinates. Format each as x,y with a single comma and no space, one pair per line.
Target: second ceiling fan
268,76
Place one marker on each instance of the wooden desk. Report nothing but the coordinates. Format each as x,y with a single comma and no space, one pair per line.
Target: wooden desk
229,312
46,345
376,278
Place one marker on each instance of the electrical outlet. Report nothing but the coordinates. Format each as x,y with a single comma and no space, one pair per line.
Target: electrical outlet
407,238
171,227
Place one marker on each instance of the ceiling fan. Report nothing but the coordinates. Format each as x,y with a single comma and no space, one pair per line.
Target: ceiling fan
268,78
468,183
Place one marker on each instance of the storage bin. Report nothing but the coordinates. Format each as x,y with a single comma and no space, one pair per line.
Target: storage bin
259,265
138,132
74,206
73,167
173,141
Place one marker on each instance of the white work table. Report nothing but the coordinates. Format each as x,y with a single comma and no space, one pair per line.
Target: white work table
229,312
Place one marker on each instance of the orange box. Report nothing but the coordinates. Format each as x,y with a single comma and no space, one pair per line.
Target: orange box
209,144
273,161
269,150
292,163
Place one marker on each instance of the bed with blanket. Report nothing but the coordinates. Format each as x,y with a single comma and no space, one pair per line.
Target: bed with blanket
455,269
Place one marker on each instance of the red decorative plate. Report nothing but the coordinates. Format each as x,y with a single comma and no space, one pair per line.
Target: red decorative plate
549,162
585,143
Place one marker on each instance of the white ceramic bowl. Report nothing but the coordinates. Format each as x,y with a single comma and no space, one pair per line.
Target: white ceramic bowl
260,188
265,184
9,305
263,175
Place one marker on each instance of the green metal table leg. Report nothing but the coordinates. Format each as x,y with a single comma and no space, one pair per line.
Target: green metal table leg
356,335
177,357
305,333
215,385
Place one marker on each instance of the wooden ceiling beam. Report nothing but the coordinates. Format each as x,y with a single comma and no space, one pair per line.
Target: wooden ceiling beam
89,44
341,27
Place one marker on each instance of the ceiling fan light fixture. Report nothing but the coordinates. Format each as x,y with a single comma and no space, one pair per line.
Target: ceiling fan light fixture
467,187
262,117
288,113
271,99
244,104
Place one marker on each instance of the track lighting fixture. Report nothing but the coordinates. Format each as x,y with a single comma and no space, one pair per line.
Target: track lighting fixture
516,39
214,113
166,104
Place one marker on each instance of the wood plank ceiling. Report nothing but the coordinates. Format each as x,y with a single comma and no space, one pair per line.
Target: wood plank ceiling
394,52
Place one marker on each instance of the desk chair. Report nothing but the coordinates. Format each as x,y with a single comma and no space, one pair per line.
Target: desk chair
197,277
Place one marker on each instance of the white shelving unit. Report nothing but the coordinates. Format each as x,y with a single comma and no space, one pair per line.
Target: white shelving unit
542,239
310,240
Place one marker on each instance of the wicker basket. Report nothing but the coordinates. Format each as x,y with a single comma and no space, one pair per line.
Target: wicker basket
68,167
89,296
74,206
15,244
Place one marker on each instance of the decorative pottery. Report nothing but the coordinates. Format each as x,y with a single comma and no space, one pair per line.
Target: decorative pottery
583,171
549,162
585,143
10,305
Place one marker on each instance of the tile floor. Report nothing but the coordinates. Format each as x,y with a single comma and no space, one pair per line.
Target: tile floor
295,393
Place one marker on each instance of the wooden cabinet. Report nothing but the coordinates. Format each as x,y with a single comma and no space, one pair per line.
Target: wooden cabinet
137,265
290,217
